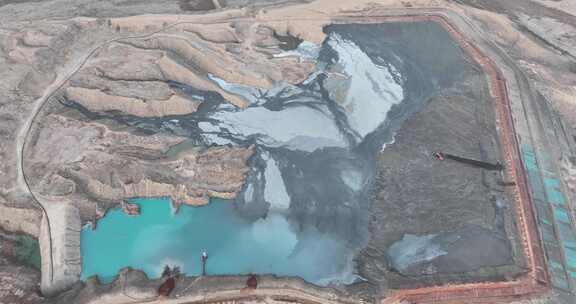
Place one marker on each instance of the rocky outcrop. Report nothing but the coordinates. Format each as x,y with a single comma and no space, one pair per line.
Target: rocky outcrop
190,53
130,208
96,168
25,220
176,72
18,285
215,172
19,275
207,58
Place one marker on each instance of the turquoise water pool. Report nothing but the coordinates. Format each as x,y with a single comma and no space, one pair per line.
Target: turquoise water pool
159,237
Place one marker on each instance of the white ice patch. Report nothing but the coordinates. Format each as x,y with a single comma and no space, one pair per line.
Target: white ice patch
413,250
305,50
275,191
373,90
210,134
247,92
214,139
208,127
308,143
300,128
388,143
249,193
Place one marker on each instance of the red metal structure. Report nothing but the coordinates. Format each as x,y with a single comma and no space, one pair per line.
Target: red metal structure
252,282
166,288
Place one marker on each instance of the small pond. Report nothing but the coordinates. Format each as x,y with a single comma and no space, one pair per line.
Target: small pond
159,237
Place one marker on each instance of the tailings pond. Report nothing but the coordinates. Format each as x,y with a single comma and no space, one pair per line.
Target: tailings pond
305,207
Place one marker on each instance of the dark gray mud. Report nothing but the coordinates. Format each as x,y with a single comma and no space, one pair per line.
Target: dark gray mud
435,222
196,5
